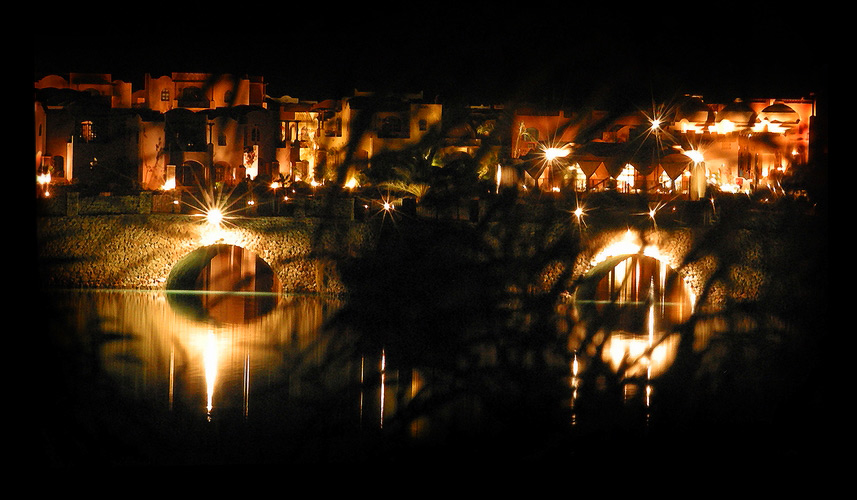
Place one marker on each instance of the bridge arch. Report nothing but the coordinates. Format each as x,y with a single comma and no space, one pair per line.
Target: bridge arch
668,247
632,294
224,283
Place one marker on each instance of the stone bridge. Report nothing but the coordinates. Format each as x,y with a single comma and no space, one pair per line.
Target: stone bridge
136,251
140,251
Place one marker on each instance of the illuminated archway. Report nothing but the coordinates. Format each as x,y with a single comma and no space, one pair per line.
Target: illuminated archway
223,283
629,305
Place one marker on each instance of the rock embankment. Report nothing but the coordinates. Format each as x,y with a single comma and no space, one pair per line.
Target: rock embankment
137,251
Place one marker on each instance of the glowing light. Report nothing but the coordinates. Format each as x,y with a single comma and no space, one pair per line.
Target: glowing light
169,184
44,180
578,214
351,183
656,124
695,155
214,216
275,185
628,244
388,206
552,153
215,207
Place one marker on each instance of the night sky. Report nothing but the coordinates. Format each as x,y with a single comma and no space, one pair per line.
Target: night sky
540,55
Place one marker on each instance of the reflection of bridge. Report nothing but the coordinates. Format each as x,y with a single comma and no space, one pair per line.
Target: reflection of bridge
140,251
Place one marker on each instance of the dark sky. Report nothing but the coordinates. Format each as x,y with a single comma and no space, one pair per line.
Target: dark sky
552,57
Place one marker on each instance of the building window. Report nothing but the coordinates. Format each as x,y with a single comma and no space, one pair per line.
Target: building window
255,135
87,131
165,95
391,126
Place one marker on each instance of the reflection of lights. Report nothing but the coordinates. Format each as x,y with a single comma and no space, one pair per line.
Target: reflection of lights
637,353
209,357
383,381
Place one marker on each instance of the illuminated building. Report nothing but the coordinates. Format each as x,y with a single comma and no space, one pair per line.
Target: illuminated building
736,147
194,128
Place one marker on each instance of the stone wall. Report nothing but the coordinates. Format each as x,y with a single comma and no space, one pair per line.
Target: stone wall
139,251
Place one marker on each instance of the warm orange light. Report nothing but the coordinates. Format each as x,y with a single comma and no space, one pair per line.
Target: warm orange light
554,153
214,216
695,155
210,360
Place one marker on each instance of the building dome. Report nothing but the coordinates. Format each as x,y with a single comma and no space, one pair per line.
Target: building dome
693,110
779,112
737,112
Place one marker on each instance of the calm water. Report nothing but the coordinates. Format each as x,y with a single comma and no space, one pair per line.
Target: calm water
215,350
244,354
169,354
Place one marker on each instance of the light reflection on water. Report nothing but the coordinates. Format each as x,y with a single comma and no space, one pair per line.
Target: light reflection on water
171,359
173,356
630,312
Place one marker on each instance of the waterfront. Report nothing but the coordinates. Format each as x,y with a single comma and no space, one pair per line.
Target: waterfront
475,362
